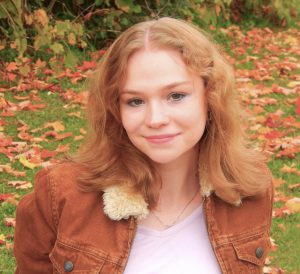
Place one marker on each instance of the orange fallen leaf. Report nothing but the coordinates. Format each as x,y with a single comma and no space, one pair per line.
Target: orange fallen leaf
277,182
293,204
290,169
293,186
57,126
63,135
282,227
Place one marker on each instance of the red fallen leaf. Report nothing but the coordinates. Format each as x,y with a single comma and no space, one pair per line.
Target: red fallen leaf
88,16
280,212
4,197
11,76
37,106
6,152
87,65
273,121
5,141
10,222
8,114
27,105
102,52
289,152
298,106
274,134
11,66
48,71
47,154
2,122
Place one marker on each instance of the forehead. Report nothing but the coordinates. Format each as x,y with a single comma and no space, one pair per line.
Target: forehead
155,67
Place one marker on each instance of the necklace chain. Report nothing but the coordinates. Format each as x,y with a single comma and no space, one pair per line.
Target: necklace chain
178,216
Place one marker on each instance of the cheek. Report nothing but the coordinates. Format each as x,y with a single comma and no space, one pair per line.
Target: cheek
131,120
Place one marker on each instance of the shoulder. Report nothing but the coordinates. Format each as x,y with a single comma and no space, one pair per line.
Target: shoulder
56,189
61,177
254,213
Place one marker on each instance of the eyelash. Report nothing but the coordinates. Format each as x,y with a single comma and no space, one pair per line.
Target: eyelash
135,102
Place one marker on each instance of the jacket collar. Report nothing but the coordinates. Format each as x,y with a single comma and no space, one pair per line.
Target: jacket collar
119,203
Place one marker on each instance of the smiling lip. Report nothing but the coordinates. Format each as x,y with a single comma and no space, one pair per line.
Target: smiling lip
159,139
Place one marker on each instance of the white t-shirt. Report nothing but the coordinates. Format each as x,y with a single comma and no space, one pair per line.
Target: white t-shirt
181,249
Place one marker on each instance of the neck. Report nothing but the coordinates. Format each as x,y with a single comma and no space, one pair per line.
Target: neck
180,180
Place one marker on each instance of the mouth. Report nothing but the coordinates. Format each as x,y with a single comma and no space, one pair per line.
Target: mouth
162,138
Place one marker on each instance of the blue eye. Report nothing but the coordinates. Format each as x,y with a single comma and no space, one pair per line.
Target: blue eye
135,102
176,96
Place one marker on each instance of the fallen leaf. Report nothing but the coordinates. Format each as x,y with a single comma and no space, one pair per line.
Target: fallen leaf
5,196
282,227
293,84
298,106
26,163
277,182
274,134
2,239
290,169
57,126
294,186
9,222
20,184
293,204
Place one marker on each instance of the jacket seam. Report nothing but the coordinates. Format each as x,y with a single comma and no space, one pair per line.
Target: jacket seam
53,195
218,255
230,239
90,251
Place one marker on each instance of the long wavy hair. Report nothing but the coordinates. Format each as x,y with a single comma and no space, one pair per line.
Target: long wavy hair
225,160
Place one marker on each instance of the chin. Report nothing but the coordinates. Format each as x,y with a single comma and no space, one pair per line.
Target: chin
163,159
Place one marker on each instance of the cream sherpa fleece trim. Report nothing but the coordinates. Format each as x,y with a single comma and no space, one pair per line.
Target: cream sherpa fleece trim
118,204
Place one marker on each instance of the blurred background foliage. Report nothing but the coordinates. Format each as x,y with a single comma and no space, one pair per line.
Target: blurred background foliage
56,28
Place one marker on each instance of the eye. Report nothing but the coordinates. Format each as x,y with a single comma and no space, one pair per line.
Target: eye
135,102
176,96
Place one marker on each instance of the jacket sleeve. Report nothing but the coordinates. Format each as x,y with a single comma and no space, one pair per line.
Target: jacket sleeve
35,231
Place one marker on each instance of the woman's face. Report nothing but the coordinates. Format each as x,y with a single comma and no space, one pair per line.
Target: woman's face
163,105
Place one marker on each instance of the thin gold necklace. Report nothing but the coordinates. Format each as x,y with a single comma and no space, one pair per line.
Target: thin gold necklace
178,216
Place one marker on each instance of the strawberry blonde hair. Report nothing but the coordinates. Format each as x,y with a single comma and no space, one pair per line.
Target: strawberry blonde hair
225,160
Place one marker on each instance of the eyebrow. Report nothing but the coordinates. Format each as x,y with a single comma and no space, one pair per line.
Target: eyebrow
166,87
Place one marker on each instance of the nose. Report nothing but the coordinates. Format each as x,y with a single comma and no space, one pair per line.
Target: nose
156,115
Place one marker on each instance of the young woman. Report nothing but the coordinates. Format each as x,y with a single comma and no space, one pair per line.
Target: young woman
165,183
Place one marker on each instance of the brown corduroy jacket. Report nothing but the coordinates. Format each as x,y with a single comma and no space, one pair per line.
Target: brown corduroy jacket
60,229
